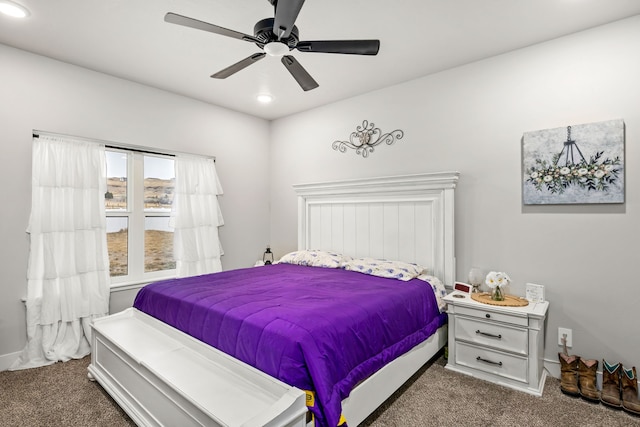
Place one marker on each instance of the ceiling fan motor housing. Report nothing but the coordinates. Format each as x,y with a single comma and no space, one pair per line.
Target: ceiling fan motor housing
263,31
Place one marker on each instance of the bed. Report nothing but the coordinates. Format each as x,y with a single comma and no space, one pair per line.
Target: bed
159,347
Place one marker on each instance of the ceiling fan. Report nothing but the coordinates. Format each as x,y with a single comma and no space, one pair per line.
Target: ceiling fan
276,37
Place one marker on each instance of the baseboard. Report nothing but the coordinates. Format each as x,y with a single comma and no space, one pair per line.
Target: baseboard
6,360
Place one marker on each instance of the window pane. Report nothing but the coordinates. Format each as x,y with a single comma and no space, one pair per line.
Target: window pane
118,245
159,183
116,196
158,244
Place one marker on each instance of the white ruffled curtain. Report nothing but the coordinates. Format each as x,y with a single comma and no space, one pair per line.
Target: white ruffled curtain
68,272
196,216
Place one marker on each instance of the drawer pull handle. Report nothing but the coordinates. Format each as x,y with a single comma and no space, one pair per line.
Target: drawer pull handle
487,334
480,359
488,316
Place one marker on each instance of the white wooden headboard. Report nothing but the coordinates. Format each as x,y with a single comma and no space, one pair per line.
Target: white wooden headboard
407,218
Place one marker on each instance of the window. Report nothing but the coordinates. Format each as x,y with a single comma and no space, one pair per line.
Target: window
140,189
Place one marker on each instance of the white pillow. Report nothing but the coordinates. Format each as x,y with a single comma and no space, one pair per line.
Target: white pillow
383,268
315,258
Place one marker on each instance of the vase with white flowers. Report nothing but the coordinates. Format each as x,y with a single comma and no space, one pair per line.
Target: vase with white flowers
497,280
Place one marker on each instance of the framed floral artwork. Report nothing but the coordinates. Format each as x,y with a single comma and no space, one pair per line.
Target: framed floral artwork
574,164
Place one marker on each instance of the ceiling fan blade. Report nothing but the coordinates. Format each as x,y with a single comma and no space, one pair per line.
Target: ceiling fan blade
240,65
174,18
298,72
351,47
286,14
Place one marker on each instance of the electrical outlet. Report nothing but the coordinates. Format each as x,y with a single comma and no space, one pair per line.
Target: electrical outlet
566,333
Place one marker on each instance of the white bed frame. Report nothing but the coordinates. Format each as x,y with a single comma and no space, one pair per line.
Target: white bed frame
160,376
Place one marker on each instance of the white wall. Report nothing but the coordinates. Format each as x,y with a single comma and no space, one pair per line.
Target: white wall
471,119
40,93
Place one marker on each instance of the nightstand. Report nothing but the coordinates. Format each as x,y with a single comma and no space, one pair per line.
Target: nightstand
503,345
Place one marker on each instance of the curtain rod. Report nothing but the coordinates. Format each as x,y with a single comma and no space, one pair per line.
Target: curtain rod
117,145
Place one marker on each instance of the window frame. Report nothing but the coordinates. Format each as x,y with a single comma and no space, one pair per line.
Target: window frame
136,214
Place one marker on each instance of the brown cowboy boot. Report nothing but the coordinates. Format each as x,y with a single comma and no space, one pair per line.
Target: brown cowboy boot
629,382
569,374
587,380
610,394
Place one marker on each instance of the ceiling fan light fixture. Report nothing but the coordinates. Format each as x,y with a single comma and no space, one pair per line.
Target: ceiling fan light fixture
277,49
13,9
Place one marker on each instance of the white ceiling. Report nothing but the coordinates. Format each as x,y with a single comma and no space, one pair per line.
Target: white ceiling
129,39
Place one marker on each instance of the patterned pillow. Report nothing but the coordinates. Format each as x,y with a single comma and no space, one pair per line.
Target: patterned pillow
382,268
438,289
315,258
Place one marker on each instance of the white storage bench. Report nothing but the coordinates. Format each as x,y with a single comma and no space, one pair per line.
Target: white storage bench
162,377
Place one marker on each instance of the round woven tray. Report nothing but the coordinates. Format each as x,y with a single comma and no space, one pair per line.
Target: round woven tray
509,300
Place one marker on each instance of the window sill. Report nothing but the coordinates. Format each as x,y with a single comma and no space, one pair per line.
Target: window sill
126,286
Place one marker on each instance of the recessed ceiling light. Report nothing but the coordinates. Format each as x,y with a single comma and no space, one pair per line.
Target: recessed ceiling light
264,98
13,9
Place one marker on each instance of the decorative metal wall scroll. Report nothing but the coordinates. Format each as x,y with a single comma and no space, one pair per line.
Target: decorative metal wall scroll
587,167
365,138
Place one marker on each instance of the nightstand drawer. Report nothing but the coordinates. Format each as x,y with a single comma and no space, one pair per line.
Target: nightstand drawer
492,315
496,335
494,362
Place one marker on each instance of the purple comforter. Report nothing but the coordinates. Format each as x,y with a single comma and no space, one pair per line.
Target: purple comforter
317,329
